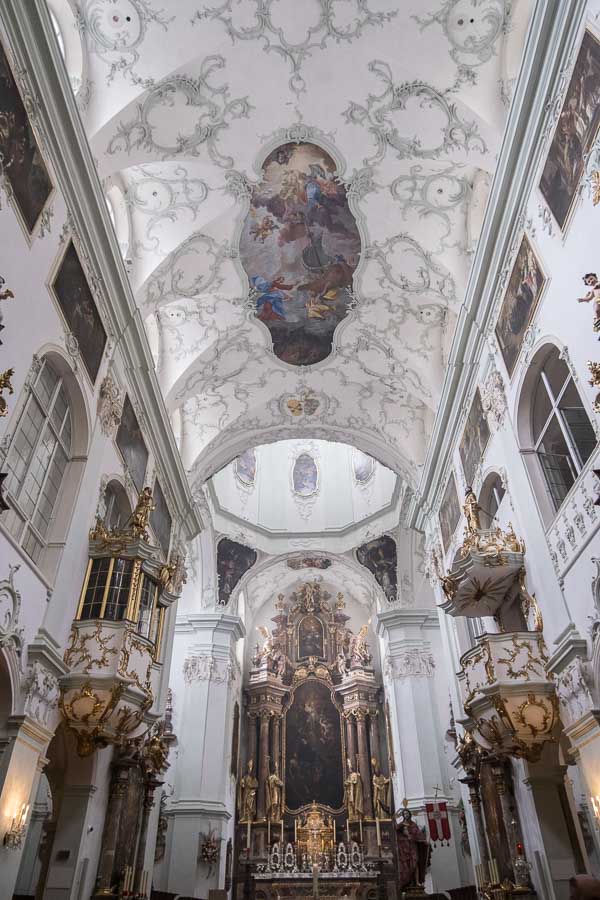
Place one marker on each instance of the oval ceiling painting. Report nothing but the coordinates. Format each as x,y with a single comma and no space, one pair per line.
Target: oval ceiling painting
363,466
300,246
305,475
245,466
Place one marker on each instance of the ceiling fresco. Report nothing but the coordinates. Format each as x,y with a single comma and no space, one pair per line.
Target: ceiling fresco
303,187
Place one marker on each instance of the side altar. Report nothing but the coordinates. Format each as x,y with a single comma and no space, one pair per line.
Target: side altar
315,809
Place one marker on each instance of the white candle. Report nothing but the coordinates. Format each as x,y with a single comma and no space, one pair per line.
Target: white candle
348,831
282,831
378,829
269,832
334,837
248,836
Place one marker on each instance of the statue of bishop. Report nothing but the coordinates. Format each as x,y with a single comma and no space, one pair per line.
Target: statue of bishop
247,794
353,794
274,795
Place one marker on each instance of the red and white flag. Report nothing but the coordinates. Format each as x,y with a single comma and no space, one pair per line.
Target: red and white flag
439,823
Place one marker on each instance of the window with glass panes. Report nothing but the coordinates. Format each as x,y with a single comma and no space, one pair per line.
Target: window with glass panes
37,460
146,608
118,592
562,433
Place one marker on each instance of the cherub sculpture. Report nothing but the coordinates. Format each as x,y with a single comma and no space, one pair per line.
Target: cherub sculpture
359,649
592,282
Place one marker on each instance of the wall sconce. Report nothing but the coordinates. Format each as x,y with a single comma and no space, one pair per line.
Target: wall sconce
596,807
14,836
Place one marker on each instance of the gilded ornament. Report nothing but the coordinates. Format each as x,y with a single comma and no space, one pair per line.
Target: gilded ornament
5,385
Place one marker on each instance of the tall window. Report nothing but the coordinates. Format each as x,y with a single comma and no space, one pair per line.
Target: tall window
37,460
563,437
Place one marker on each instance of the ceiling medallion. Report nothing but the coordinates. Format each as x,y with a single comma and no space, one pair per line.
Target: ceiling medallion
300,247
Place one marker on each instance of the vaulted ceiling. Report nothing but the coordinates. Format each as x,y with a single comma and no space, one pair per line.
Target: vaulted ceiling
182,105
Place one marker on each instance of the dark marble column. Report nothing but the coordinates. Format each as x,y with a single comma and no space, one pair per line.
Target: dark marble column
374,738
364,764
110,836
276,742
475,802
263,764
148,802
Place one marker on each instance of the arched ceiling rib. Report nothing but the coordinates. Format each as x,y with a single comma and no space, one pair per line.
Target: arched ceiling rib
409,101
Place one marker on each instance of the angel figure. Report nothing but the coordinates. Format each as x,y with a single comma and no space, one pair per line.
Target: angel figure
359,649
592,282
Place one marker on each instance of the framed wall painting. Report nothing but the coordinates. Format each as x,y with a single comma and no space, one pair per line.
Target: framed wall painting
575,133
233,561
23,166
474,439
131,444
160,518
525,287
76,302
449,514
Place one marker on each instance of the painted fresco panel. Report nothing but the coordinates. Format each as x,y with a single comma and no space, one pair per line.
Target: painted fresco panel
300,246
233,561
575,132
305,475
380,557
449,512
245,466
77,305
475,439
525,287
313,748
363,466
130,442
22,163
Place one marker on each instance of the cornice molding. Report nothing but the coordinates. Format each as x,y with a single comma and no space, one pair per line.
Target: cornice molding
552,34
33,43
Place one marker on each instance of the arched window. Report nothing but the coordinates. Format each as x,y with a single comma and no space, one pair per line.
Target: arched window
553,421
117,506
491,496
37,460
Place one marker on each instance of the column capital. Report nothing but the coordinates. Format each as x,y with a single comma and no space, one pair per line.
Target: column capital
213,624
399,619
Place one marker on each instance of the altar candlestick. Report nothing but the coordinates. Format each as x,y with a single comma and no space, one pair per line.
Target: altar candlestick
268,832
248,836
360,827
334,837
348,831
295,831
282,831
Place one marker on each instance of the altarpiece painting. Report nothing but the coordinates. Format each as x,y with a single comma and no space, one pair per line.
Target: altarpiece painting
300,246
313,741
575,132
22,163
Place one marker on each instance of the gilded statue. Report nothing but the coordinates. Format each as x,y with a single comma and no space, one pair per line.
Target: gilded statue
247,789
381,792
274,795
5,385
359,649
353,794
472,512
140,517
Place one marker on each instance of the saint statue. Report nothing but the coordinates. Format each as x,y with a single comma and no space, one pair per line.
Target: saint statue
414,850
274,795
247,794
381,792
471,510
353,794
140,517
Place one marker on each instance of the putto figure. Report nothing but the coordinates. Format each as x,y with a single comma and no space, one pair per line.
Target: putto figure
593,296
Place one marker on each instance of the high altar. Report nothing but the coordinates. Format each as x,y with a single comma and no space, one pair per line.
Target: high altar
314,810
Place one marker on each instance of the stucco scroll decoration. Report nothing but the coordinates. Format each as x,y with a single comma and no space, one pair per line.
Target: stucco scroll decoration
493,399
10,608
204,667
192,269
110,405
472,28
574,689
161,198
377,112
148,129
434,195
41,693
83,644
116,33
411,663
272,37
